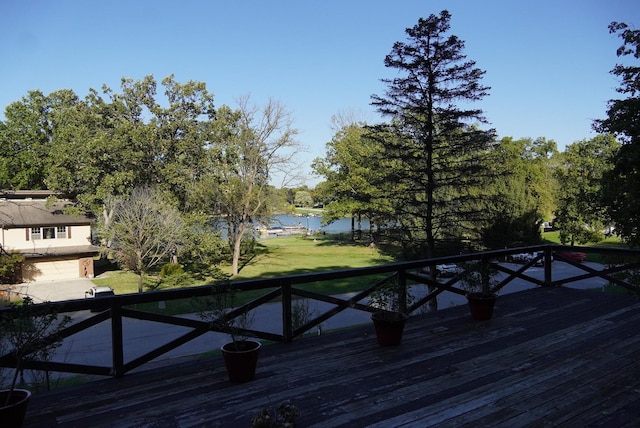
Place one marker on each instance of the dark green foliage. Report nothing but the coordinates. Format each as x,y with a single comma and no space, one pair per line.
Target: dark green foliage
171,269
436,154
509,231
622,185
356,175
10,265
580,215
31,331
173,275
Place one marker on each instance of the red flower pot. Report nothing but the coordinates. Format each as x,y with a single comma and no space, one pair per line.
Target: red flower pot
12,414
481,306
241,359
389,327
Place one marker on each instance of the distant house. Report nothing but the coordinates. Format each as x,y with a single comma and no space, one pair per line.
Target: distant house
55,245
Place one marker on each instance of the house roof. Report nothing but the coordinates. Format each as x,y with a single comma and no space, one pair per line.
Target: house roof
27,194
32,212
76,251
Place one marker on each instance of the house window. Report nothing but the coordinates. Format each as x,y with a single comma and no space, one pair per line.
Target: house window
49,232
36,233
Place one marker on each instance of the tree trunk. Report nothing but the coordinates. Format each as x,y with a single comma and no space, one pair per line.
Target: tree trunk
235,258
353,228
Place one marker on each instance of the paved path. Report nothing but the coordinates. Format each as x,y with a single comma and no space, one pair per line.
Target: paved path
42,291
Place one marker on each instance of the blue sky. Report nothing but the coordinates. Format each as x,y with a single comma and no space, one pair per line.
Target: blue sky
547,61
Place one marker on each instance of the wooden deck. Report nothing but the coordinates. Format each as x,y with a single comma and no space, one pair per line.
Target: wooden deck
549,357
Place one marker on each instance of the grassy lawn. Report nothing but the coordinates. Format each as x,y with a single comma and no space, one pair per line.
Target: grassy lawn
609,242
278,257
297,255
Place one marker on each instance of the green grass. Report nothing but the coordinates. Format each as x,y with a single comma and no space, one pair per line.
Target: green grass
296,255
276,257
551,237
609,242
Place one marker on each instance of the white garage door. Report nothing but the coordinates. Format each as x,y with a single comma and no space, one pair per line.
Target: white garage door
55,270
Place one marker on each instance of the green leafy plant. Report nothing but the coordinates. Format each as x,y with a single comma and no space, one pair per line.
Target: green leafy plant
301,313
29,331
171,269
172,275
479,279
390,298
218,310
9,266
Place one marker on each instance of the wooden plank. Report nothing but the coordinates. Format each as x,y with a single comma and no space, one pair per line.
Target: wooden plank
549,356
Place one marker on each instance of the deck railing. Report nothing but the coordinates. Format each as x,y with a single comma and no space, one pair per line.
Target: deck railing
287,289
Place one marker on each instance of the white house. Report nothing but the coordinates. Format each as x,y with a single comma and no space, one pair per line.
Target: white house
55,245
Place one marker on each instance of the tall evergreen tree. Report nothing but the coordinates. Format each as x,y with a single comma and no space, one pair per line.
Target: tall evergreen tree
440,150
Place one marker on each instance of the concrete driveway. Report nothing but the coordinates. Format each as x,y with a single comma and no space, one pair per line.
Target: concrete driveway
52,291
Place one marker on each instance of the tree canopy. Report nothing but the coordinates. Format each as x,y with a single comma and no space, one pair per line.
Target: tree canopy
622,184
251,144
581,216
525,191
98,149
434,136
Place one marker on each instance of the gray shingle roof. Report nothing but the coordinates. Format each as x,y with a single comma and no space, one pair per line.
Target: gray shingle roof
30,213
77,251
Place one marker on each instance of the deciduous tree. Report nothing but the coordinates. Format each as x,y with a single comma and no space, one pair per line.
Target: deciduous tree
27,138
145,230
581,216
525,188
353,186
251,144
622,184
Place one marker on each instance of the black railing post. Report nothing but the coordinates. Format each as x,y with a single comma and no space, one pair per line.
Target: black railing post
485,275
117,346
548,259
287,319
402,291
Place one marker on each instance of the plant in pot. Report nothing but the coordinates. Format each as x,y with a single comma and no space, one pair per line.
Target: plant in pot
241,354
481,286
390,301
28,332
285,415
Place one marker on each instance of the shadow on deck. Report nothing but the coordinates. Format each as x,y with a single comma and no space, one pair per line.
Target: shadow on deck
550,356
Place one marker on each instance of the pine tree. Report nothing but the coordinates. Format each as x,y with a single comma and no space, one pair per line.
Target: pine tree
441,153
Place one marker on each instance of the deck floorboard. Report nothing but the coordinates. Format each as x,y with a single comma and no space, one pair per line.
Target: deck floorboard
550,357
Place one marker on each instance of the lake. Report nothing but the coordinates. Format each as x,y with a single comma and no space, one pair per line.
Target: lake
314,223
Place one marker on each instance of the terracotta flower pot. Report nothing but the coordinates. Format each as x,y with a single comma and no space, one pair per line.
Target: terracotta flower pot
12,415
481,306
241,359
389,327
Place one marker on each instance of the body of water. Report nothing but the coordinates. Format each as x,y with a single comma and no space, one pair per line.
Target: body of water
314,223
